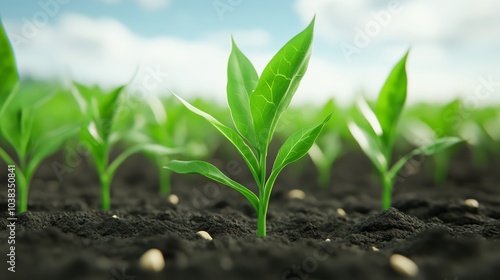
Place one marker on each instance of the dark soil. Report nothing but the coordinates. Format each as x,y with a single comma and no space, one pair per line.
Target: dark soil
66,236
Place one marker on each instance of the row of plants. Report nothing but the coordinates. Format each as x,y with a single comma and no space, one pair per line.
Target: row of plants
38,119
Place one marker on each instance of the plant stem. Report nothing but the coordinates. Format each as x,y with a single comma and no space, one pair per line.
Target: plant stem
105,191
324,176
165,186
261,218
164,177
386,192
262,213
22,189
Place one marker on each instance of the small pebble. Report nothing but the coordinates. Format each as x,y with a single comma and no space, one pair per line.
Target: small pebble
375,249
298,194
205,235
341,212
173,199
472,203
328,240
403,265
152,260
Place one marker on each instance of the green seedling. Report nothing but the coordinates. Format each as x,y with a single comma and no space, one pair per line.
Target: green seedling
165,122
375,130
26,124
427,121
328,147
256,105
99,134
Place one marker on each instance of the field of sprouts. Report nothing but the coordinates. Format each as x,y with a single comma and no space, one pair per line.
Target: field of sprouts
108,184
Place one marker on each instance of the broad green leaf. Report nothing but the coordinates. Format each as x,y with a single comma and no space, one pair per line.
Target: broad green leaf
210,171
278,83
294,148
427,150
8,70
49,144
108,109
391,101
94,144
11,129
231,135
370,117
297,146
241,81
371,147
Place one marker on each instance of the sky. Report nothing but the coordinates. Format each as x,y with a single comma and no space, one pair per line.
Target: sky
155,45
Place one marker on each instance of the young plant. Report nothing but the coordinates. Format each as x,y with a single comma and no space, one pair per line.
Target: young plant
22,117
99,134
256,105
375,130
328,147
165,122
431,122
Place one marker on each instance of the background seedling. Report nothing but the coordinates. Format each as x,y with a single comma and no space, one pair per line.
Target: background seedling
28,123
99,134
426,122
165,122
256,105
375,130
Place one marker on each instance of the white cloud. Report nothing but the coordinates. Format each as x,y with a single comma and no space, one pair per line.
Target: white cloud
421,21
105,52
453,42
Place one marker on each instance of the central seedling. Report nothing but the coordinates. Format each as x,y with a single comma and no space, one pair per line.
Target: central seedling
256,105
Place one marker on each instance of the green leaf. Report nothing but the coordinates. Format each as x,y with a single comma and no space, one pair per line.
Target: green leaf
278,83
370,145
95,145
438,145
49,144
294,148
11,129
231,135
297,145
146,147
210,171
241,81
391,101
8,70
108,109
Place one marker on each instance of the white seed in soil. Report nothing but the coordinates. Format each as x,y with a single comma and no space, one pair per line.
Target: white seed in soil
328,240
205,235
472,203
375,249
403,265
173,199
115,217
298,194
341,212
152,260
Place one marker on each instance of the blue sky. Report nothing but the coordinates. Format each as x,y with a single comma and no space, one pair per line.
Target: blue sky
454,44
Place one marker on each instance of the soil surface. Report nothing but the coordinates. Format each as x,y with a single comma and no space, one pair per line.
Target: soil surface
64,235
